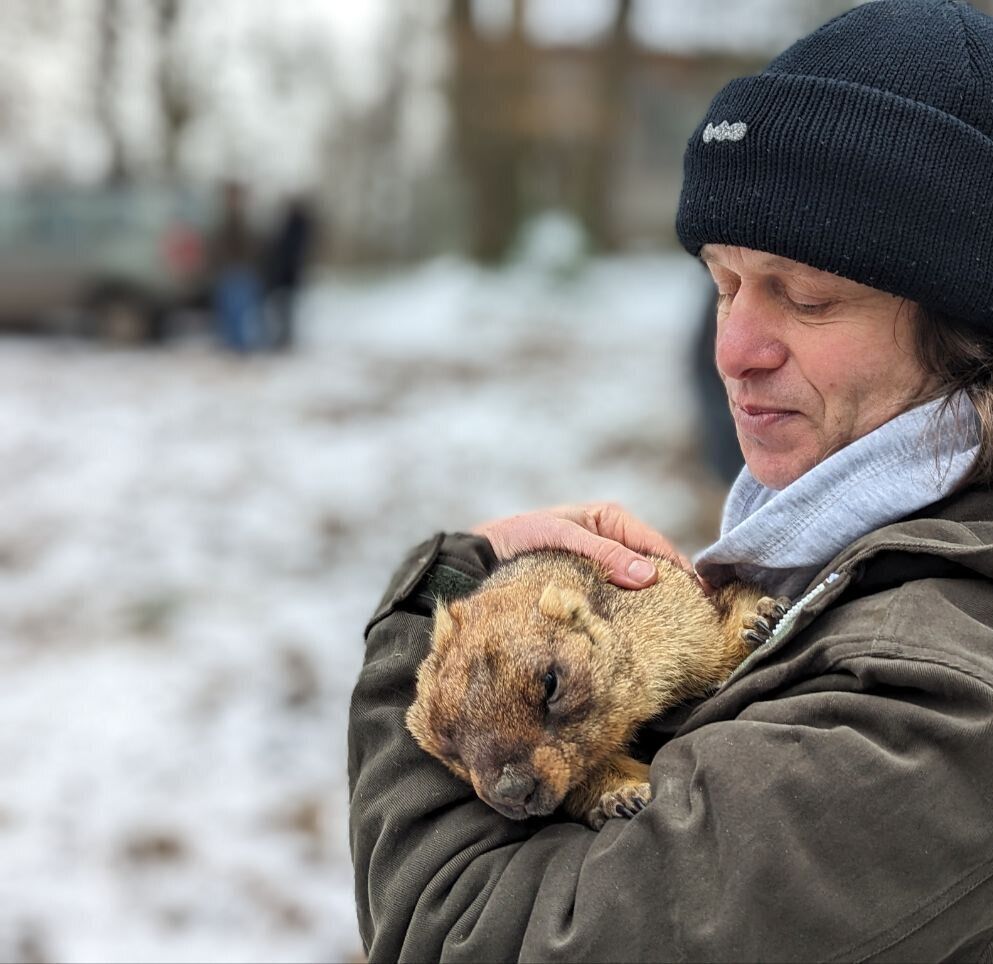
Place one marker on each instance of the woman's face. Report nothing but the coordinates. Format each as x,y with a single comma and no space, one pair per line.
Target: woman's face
810,361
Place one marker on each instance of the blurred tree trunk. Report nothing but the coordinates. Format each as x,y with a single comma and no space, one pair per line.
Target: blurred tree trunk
615,57
517,29
485,77
108,57
174,97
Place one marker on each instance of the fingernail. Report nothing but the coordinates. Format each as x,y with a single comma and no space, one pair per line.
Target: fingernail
641,570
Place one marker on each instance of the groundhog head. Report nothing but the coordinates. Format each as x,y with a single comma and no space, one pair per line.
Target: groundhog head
513,696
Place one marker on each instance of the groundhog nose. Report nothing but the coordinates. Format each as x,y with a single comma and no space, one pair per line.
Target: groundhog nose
514,788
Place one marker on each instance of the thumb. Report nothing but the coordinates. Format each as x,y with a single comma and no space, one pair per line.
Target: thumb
625,568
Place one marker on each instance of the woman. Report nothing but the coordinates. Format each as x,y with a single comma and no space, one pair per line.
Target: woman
831,800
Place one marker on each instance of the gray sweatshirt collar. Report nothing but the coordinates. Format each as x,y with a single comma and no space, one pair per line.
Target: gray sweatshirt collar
782,539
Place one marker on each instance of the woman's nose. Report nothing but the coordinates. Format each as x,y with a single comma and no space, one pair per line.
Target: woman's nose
749,336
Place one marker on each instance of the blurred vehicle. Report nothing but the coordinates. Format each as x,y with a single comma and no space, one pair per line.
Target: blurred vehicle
110,262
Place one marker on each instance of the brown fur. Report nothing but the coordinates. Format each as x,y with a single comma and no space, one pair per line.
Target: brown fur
619,657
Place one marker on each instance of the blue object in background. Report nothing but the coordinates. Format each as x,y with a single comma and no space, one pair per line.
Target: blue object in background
238,309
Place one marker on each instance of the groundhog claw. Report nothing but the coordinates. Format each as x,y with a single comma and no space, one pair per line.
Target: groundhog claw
757,627
773,609
623,802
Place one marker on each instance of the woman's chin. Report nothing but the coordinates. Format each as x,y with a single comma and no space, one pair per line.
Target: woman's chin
777,470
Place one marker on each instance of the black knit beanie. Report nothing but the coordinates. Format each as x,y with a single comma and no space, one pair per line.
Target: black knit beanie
866,149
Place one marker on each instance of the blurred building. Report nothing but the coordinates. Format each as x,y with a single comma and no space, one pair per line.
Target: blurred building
594,128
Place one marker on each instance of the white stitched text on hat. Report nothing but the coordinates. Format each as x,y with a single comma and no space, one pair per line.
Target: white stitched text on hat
724,132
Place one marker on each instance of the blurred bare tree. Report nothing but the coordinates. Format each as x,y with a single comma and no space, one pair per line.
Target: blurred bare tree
387,194
175,97
107,77
172,83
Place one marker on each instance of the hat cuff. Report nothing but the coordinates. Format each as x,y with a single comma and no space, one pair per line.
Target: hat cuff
857,181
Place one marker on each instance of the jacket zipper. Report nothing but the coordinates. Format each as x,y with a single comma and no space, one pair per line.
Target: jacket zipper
793,613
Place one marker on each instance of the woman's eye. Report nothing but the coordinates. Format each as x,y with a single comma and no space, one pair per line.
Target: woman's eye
806,306
551,683
724,301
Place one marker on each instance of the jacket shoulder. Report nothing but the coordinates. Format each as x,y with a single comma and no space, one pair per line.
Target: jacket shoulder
946,619
445,566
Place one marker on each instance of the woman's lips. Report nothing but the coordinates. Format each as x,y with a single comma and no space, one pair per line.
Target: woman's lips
757,419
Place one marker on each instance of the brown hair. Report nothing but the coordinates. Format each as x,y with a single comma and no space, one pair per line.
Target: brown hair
959,356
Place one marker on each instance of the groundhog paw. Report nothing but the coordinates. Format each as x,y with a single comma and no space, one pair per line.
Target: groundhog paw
758,626
623,802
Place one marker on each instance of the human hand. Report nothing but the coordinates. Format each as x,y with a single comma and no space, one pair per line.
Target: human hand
602,531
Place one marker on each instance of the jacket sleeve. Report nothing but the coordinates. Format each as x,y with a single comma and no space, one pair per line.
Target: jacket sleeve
837,819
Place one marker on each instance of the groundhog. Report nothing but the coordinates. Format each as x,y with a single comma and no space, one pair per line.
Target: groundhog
537,681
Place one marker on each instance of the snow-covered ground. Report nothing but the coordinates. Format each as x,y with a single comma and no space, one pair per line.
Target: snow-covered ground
190,544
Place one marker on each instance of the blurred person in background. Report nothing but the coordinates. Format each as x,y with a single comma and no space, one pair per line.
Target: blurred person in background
832,799
286,259
237,286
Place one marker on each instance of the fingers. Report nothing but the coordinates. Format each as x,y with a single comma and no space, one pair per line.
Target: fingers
603,532
625,567
519,533
615,522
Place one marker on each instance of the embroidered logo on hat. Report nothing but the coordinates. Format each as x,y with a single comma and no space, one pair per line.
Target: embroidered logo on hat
724,132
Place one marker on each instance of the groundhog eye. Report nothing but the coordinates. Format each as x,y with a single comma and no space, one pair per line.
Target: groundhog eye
551,684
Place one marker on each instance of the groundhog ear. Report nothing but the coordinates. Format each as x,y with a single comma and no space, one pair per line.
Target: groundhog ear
565,605
572,607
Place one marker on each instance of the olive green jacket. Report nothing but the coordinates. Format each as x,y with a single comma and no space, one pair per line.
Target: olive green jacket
832,801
